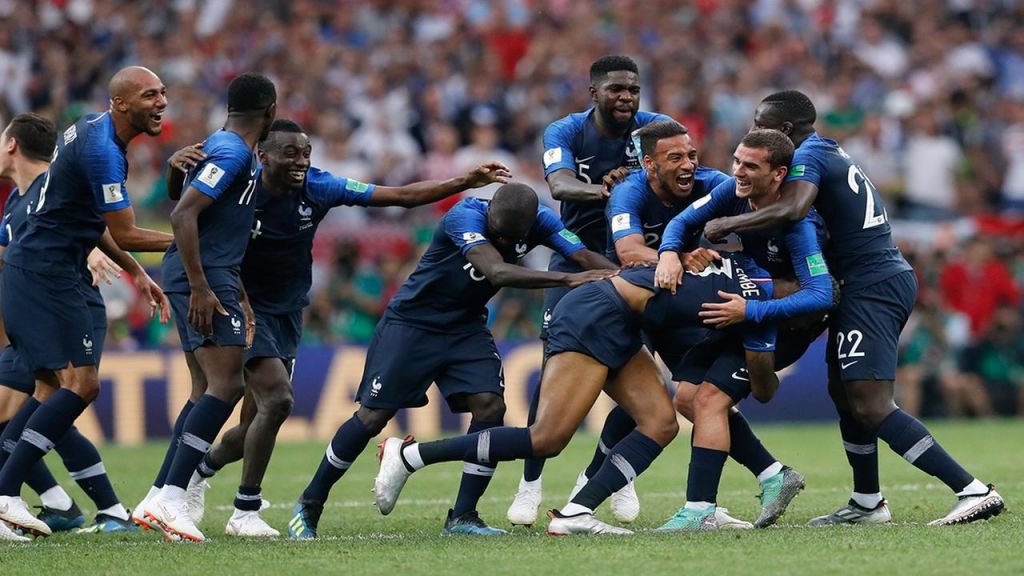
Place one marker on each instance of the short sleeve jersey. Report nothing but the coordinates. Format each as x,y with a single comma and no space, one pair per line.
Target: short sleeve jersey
278,263
573,143
634,208
860,251
228,175
86,179
446,292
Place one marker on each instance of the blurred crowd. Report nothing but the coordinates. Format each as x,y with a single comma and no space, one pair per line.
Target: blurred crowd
928,96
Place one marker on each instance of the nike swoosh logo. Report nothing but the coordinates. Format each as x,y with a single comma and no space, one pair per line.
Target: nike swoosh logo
846,365
578,160
651,227
737,376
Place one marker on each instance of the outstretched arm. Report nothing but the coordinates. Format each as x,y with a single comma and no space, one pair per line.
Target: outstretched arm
565,187
420,193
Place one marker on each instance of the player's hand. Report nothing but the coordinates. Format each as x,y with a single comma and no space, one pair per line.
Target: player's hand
250,322
587,276
187,158
724,314
699,259
669,274
149,290
613,178
201,306
103,269
717,229
488,173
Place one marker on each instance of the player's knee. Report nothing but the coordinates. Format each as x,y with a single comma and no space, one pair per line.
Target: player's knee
487,407
373,419
86,386
548,443
709,399
683,403
279,404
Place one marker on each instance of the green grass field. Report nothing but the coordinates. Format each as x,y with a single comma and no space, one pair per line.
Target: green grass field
356,540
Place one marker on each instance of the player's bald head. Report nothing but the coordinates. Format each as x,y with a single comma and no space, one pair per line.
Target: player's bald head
513,211
131,80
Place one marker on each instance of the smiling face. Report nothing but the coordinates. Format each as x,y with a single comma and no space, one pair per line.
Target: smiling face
673,166
285,159
143,102
755,177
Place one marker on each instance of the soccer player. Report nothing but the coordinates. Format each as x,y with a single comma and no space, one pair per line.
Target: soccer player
878,290
585,155
25,150
46,312
637,212
211,223
708,394
434,330
595,345
292,199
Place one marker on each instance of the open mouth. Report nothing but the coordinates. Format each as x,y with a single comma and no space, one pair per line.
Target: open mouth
685,182
297,176
743,187
157,117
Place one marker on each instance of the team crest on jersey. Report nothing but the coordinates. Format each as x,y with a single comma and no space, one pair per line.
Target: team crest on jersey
521,250
305,211
773,250
470,237
112,193
87,344
375,386
211,174
236,325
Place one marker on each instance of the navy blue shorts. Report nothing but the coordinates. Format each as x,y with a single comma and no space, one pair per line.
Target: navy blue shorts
552,296
403,360
98,313
277,336
719,361
48,319
864,330
14,373
227,330
594,320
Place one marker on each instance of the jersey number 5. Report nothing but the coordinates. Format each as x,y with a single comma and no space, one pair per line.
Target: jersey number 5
855,177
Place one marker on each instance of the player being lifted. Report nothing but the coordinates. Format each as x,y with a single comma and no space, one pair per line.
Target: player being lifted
714,377
595,345
292,199
878,290
585,155
435,330
47,314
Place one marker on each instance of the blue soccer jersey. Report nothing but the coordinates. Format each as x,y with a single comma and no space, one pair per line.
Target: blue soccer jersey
445,291
860,251
573,143
278,264
634,208
85,180
16,212
228,175
673,321
794,250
